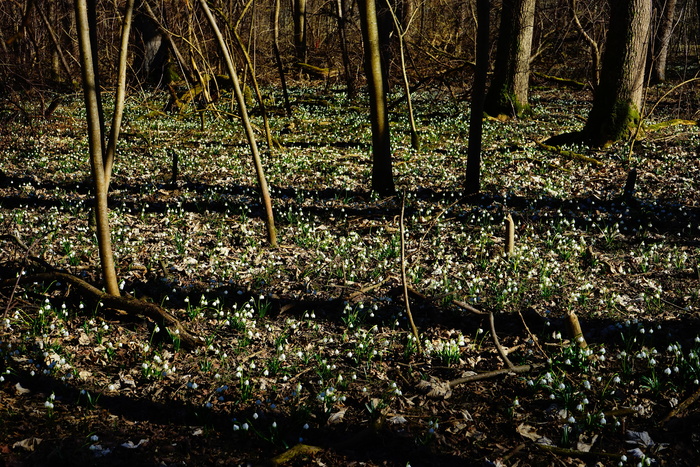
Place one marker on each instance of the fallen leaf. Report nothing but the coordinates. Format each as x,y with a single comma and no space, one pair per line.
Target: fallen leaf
27,444
528,432
21,390
336,417
435,389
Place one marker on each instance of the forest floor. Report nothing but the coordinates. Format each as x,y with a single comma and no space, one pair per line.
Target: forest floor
307,351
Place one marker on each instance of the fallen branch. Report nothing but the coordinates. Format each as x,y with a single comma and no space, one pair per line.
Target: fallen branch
576,453
569,154
126,303
567,82
669,123
494,373
501,351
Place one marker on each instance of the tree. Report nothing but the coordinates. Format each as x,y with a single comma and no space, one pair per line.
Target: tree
100,158
151,51
250,135
299,14
665,12
472,183
508,91
618,97
382,177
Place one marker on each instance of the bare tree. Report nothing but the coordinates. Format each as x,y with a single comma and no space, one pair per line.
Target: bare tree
472,184
250,135
665,11
382,176
100,159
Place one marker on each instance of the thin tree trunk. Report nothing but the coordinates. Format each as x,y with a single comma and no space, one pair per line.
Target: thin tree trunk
56,44
256,88
240,99
120,93
300,29
96,143
415,137
472,184
382,176
349,77
592,44
278,56
662,42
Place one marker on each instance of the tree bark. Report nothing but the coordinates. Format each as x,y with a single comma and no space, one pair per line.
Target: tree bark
472,184
508,93
618,97
96,143
382,176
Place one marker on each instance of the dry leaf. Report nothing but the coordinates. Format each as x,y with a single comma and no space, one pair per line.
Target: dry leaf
528,432
336,417
435,389
21,390
27,444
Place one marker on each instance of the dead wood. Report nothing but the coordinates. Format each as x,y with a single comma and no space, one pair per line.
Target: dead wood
126,303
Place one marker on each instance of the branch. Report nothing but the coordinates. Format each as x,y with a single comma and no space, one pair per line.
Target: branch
414,329
128,304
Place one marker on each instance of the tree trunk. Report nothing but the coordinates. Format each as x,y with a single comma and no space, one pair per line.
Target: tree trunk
666,9
508,92
472,184
278,56
96,142
618,97
151,51
382,177
349,77
300,29
250,135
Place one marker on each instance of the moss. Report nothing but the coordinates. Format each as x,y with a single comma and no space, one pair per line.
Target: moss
506,104
603,130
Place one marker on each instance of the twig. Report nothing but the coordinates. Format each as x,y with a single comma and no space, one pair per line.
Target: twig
681,407
414,329
499,347
576,453
532,336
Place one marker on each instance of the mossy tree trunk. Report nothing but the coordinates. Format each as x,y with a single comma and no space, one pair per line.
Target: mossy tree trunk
618,97
382,176
508,93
